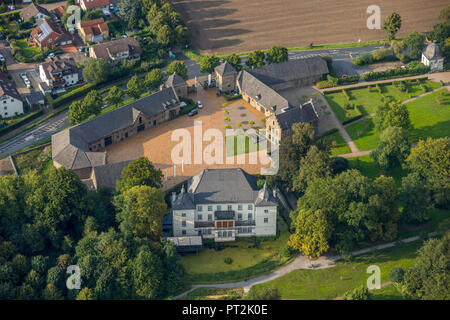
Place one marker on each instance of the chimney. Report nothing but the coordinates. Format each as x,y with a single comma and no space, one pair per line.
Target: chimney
274,193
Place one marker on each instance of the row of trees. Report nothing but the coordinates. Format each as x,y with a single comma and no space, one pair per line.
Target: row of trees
51,221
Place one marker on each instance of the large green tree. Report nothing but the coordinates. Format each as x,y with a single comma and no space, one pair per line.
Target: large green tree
392,149
179,68
153,79
277,54
208,63
96,70
140,172
255,59
135,87
115,96
392,114
235,61
392,24
147,275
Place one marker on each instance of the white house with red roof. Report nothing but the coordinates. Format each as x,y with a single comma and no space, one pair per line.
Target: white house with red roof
94,4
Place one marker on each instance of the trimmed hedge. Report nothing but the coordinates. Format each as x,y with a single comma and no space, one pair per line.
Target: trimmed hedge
76,93
17,124
412,69
231,98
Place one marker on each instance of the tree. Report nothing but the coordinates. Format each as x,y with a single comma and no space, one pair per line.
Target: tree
311,233
392,114
255,59
140,172
134,87
277,54
396,275
93,102
140,212
392,149
415,43
147,274
429,278
182,35
208,63
115,96
174,276
315,164
392,24
77,112
96,70
164,35
444,15
153,79
4,68
52,293
85,294
361,293
430,160
179,68
129,11
234,60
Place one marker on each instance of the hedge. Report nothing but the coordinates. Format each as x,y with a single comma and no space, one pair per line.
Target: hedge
231,98
412,69
76,93
17,124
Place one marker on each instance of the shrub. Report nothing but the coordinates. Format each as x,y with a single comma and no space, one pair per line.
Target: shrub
227,126
286,252
396,274
227,118
70,96
228,260
251,122
413,68
346,95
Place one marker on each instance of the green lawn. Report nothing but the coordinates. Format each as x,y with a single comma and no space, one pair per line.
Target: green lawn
364,135
333,282
248,260
338,144
250,146
388,292
27,51
214,294
428,118
366,100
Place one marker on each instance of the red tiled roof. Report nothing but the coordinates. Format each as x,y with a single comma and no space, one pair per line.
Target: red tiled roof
90,4
95,26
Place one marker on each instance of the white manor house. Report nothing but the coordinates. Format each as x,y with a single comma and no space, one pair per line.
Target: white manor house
223,204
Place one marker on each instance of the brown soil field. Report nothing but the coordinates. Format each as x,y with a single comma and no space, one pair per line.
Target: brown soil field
227,26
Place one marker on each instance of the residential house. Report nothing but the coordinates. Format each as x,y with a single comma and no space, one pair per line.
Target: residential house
93,31
432,57
48,35
117,50
11,103
94,4
81,147
178,84
35,100
58,73
223,204
225,77
35,11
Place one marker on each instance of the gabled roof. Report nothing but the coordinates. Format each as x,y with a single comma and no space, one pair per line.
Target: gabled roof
59,65
175,80
108,174
32,10
46,28
433,51
70,147
91,4
7,88
265,197
225,69
130,45
303,113
95,26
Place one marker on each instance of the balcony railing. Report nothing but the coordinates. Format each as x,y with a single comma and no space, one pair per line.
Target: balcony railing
245,223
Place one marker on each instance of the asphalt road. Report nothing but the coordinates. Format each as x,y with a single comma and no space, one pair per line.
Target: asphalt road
341,61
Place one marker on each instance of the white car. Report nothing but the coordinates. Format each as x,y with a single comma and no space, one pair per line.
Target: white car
51,55
2,58
199,104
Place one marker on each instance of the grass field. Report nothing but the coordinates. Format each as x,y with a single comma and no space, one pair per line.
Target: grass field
214,294
209,265
338,144
334,282
428,118
366,100
223,27
39,160
233,150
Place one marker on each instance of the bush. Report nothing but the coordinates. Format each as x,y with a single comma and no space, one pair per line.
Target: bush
231,98
396,274
228,260
70,96
346,95
361,293
412,69
286,252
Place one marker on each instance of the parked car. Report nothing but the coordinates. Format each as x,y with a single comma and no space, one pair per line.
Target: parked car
51,55
23,75
193,112
199,104
81,49
2,58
